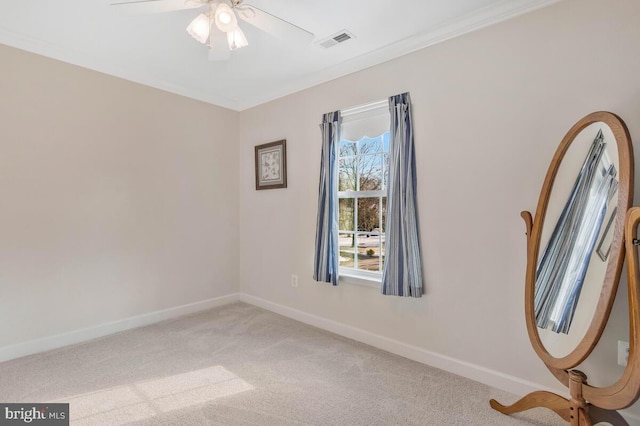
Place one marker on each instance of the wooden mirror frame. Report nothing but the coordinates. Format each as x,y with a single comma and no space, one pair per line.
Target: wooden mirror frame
587,403
616,257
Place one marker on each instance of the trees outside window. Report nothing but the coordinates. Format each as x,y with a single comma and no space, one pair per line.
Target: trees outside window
362,181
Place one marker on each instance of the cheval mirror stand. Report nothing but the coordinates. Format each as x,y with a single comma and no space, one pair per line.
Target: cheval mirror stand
586,404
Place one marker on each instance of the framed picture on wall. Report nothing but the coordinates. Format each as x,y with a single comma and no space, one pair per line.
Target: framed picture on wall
271,165
604,246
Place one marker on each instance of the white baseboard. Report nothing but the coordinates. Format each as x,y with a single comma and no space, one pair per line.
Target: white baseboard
475,372
77,336
469,370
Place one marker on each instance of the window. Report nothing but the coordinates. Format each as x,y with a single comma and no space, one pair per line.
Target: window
362,189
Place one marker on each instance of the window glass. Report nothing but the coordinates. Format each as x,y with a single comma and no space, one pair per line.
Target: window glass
346,213
347,250
362,178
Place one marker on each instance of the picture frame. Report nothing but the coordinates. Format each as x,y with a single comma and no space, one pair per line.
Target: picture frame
271,165
604,246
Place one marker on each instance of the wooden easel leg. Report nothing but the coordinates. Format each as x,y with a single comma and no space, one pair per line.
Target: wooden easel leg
556,403
576,410
578,415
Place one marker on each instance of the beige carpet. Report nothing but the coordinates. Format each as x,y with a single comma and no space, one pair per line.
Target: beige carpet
241,365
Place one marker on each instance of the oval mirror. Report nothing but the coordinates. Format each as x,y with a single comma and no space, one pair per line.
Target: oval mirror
577,240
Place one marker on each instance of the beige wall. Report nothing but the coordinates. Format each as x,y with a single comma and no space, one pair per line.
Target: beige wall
490,108
115,199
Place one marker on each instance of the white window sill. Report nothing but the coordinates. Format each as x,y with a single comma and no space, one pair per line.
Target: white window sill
354,277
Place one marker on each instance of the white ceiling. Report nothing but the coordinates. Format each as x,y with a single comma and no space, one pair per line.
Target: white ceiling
155,50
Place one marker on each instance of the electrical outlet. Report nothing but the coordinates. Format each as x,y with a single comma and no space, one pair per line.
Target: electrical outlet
623,353
294,281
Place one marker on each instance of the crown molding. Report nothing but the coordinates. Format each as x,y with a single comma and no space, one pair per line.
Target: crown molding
497,12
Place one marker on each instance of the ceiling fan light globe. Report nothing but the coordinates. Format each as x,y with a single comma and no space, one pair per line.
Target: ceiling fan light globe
225,18
199,28
236,39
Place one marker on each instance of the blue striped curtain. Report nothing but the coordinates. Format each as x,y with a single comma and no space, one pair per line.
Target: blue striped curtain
402,275
561,271
325,267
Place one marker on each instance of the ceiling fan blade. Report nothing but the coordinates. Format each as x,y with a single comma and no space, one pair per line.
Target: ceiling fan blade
144,7
273,25
218,46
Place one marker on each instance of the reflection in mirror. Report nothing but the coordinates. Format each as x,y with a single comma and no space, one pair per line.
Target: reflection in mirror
564,264
604,247
575,254
578,224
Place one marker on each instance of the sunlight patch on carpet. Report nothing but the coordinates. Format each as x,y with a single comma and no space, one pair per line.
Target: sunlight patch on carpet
145,399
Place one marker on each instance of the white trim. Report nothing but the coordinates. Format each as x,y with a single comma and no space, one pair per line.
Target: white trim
354,276
496,12
367,110
361,194
469,370
462,368
465,369
77,336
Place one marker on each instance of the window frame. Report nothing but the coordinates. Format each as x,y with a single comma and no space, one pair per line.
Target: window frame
368,111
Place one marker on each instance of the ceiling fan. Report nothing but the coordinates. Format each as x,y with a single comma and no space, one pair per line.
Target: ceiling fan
220,22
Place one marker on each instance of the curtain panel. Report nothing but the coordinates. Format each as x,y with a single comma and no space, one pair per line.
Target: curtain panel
326,261
562,269
402,275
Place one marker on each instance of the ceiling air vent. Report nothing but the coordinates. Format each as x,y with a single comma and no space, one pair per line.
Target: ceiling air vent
335,39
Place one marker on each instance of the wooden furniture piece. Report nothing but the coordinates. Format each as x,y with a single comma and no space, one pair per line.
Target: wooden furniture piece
587,404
